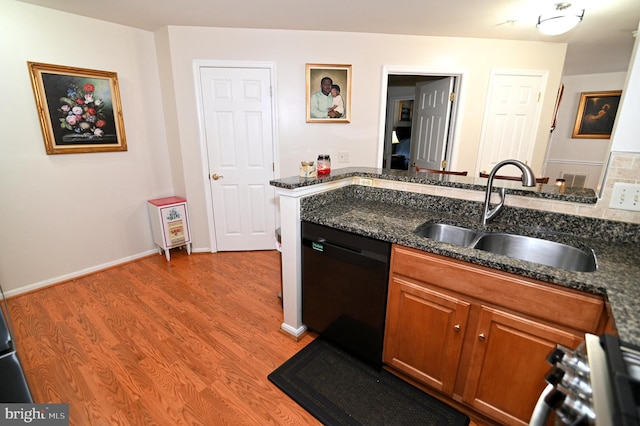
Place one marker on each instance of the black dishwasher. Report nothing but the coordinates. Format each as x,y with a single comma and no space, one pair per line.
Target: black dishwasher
344,289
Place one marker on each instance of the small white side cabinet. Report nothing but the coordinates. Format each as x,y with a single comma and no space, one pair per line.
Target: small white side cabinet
170,224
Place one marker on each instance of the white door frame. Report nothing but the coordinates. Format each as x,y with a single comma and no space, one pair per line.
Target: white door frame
211,63
460,73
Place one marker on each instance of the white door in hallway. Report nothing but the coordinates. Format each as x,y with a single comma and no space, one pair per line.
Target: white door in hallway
238,114
431,123
512,114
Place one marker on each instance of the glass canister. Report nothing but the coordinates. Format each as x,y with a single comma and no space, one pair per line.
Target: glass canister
324,164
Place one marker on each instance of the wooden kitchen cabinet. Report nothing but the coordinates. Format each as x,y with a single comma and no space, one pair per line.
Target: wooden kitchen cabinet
428,354
508,365
478,335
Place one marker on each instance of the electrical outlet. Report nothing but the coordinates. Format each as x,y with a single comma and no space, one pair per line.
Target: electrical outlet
366,182
625,196
343,157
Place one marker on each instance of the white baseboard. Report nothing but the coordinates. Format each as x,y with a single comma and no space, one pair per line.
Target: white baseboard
66,277
202,250
295,332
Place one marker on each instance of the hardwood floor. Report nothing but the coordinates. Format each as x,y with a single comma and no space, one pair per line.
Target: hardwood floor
151,342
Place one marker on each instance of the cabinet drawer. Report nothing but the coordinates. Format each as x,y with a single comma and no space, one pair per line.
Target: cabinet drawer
570,308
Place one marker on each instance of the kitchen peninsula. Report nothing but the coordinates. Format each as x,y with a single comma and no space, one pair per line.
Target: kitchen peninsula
389,205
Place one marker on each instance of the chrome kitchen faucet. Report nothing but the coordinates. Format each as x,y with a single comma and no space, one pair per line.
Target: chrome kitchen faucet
528,179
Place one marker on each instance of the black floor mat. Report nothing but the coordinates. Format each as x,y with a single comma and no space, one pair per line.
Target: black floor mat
338,389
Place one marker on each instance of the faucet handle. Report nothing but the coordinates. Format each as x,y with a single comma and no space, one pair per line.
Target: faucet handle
490,213
528,179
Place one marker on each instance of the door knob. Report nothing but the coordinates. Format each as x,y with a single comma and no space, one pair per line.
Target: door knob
481,336
216,176
456,327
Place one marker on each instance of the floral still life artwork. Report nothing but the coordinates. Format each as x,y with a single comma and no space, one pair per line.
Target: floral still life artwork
79,109
82,114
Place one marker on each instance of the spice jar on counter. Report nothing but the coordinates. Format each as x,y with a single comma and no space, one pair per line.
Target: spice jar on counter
324,164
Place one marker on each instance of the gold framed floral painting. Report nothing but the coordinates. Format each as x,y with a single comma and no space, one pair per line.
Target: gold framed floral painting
79,109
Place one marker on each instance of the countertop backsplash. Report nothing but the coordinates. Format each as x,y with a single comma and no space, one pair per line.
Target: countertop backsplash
470,213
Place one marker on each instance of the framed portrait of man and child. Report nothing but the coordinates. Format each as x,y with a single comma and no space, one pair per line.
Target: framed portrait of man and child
328,93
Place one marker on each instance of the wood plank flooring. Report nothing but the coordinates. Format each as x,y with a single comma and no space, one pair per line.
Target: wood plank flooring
151,342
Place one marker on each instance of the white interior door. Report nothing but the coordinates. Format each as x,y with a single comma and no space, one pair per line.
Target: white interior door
430,128
239,135
511,116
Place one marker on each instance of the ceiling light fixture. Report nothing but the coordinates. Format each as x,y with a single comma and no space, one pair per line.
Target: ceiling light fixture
560,21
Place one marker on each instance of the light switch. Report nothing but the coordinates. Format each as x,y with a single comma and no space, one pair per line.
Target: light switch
625,196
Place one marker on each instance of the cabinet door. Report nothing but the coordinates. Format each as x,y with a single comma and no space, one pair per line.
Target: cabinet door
424,333
509,364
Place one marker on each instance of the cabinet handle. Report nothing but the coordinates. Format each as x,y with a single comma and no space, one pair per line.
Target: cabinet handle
481,336
216,176
456,327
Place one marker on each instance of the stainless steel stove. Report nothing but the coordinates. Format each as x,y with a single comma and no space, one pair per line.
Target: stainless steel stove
597,383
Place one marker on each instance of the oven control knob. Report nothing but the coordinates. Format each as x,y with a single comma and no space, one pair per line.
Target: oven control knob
570,408
554,376
569,358
569,379
557,354
555,399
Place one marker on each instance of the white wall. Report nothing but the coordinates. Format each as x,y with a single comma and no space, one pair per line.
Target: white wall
65,214
367,53
627,128
290,50
581,156
624,160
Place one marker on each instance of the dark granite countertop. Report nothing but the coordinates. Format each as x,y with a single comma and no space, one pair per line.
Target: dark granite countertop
549,191
394,215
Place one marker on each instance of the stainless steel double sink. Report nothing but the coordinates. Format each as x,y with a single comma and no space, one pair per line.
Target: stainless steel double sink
531,249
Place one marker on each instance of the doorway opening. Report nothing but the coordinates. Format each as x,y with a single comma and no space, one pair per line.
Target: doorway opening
414,136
